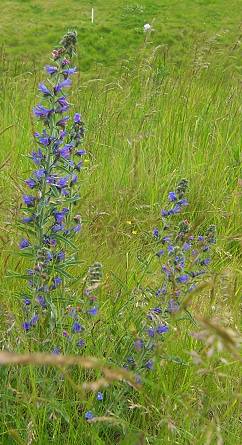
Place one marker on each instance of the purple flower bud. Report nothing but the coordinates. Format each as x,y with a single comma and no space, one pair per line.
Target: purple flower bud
80,343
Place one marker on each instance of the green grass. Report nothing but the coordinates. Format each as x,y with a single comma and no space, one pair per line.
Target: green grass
153,115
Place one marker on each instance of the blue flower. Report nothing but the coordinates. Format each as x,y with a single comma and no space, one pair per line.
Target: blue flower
89,415
60,256
70,71
42,112
24,243
183,278
37,156
80,343
34,320
205,262
51,69
43,89
100,396
41,300
27,301
156,233
76,327
57,228
40,173
65,151
27,219
30,183
93,311
64,84
161,329
77,228
170,248
186,246
80,152
77,118
160,253
29,200
157,310
26,326
172,196
151,332
57,281
149,364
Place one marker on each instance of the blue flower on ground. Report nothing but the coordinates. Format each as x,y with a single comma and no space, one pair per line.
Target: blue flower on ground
26,326
80,343
89,415
29,200
162,329
156,233
93,311
151,332
77,118
76,327
27,301
100,396
149,364
172,196
183,278
51,69
24,243
186,246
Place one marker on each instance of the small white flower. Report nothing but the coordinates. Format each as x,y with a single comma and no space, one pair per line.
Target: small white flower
147,27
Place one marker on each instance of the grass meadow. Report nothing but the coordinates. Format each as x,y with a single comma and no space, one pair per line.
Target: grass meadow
157,107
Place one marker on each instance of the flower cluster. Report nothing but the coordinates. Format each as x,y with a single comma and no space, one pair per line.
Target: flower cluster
48,222
184,260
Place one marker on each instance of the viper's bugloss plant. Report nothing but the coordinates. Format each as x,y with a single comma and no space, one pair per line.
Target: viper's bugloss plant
49,222
184,260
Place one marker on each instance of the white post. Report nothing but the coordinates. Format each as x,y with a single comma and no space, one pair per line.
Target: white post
92,15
